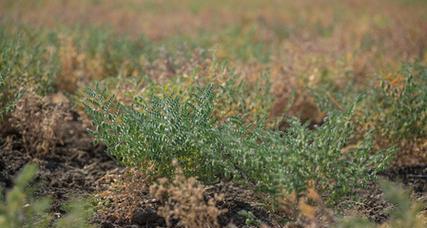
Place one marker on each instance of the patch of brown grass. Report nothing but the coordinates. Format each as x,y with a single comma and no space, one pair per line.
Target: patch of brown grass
412,152
37,120
183,199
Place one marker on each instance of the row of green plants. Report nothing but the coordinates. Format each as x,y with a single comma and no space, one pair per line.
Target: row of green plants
63,60
118,50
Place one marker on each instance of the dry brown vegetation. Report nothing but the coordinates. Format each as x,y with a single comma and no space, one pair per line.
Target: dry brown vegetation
180,202
183,199
37,120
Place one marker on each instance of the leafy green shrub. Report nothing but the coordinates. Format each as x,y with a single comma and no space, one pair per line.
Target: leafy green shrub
167,128
19,209
324,155
328,156
150,134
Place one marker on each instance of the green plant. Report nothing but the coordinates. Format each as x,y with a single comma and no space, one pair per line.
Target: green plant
150,134
78,215
20,209
329,157
325,155
165,128
243,43
406,212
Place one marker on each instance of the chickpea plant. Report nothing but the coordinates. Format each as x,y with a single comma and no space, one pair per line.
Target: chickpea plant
151,134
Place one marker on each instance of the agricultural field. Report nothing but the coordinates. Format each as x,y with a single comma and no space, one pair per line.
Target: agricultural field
191,113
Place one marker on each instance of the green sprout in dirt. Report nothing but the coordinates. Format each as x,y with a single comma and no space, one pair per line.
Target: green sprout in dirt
20,209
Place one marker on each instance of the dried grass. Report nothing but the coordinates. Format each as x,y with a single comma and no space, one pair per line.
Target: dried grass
183,199
37,120
77,68
180,200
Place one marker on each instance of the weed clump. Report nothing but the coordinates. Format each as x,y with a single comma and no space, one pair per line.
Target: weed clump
133,197
37,120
